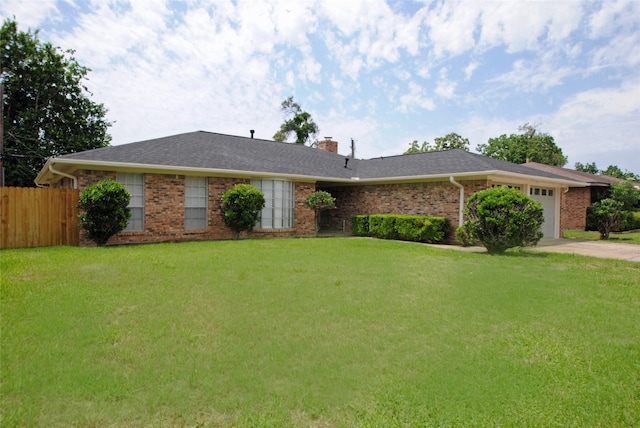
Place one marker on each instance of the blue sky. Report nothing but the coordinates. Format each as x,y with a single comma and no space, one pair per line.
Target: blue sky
384,73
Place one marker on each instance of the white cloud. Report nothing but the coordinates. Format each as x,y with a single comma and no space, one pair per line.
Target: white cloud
416,98
445,88
593,119
27,14
452,26
613,17
469,69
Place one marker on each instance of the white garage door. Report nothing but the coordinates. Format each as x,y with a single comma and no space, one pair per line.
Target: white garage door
547,197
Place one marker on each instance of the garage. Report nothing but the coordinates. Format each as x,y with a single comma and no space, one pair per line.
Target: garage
547,197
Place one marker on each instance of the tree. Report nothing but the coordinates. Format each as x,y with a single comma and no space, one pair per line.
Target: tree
530,145
319,201
606,215
625,193
501,218
615,171
240,208
448,142
591,168
47,111
298,122
105,210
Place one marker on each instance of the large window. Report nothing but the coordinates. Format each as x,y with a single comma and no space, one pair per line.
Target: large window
195,203
135,185
278,209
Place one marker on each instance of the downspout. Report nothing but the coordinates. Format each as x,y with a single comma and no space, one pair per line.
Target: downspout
461,187
73,178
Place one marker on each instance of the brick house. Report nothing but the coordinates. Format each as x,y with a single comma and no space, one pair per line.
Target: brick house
176,183
576,199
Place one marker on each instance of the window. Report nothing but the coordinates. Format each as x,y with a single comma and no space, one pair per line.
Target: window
195,203
510,186
539,191
135,185
278,209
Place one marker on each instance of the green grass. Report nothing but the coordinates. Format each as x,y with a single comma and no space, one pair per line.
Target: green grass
623,237
316,332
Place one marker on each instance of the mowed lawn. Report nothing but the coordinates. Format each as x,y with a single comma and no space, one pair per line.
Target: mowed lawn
340,332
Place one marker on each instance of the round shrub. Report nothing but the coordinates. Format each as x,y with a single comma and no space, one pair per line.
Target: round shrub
503,218
105,211
240,208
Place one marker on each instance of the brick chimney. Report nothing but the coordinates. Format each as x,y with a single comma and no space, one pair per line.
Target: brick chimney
328,145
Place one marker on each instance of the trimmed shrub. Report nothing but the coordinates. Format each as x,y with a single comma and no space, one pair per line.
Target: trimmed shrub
464,236
503,218
382,226
105,211
360,225
240,208
415,228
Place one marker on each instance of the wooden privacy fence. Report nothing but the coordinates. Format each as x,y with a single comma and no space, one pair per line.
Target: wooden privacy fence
38,217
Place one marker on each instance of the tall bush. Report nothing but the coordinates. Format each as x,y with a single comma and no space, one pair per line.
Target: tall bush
240,208
105,211
503,218
607,215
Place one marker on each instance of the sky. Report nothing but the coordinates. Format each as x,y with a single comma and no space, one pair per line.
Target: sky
383,73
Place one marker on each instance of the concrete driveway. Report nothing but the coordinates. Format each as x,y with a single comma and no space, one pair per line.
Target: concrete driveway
601,249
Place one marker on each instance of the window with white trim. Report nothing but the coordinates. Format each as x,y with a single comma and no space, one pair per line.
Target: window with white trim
195,203
278,209
135,185
510,186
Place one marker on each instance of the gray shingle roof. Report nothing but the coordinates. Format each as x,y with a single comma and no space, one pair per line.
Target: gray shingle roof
218,151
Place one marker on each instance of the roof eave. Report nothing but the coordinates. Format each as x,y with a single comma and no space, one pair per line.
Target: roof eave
46,177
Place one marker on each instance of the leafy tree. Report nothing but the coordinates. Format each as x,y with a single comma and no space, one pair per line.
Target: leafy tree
319,201
105,210
415,147
298,122
591,168
503,218
615,171
607,215
240,208
625,193
448,142
530,145
47,111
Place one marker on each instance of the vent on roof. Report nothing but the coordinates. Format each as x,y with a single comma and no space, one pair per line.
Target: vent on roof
252,131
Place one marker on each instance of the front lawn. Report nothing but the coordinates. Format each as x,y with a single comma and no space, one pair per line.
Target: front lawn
622,237
340,332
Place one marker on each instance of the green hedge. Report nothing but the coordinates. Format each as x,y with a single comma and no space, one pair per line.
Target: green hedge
418,228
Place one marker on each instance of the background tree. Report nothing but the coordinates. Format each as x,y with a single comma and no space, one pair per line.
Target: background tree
591,168
105,211
298,122
615,171
240,208
625,193
529,145
47,111
448,142
319,201
502,218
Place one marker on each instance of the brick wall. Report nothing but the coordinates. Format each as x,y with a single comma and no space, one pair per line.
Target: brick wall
573,208
165,215
432,198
